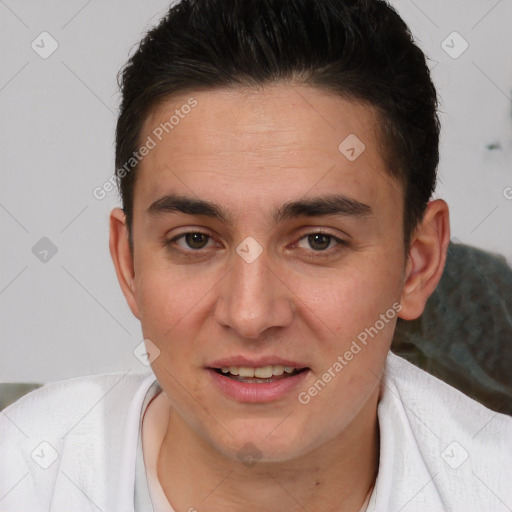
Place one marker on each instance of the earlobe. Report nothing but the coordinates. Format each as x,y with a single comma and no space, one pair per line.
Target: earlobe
122,258
427,257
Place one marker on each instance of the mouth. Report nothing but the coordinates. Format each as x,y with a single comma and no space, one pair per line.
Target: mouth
260,375
257,382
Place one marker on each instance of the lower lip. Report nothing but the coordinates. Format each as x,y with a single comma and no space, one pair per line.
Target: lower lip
257,392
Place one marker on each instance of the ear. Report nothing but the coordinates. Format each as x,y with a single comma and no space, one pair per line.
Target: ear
122,257
426,259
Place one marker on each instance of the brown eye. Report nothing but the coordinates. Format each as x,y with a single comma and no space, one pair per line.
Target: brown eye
189,242
319,241
196,240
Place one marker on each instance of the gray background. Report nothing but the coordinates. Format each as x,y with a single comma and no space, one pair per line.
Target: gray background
65,316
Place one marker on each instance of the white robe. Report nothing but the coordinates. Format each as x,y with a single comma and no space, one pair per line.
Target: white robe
70,446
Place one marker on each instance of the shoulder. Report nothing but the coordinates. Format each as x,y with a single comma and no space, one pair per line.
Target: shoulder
59,401
68,430
464,447
427,396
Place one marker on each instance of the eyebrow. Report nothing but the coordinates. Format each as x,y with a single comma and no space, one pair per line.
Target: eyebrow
332,204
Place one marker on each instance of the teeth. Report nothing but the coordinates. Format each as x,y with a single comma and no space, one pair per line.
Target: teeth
244,371
263,372
277,369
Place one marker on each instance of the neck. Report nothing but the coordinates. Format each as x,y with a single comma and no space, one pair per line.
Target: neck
335,476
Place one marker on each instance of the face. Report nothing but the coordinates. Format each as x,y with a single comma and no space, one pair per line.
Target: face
260,241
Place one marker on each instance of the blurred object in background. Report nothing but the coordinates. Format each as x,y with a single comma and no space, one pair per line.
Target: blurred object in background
10,392
464,336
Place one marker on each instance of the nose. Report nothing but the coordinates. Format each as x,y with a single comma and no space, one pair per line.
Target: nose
254,298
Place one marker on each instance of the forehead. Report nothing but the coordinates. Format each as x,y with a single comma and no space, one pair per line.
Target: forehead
263,147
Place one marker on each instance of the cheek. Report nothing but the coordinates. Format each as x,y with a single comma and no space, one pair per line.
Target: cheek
348,300
174,303
161,290
164,298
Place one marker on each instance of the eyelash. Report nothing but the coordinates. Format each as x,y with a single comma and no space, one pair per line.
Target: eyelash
341,244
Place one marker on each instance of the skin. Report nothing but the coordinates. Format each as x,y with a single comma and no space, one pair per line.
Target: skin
251,151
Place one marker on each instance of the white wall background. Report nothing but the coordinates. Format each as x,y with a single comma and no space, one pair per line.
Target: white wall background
67,317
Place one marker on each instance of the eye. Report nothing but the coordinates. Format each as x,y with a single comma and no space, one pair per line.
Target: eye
321,243
193,240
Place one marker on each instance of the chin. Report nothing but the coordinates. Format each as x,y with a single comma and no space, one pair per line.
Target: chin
263,443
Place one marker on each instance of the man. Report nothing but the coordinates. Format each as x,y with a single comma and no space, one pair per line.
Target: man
276,163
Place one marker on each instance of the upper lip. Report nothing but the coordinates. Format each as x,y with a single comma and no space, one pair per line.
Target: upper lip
255,363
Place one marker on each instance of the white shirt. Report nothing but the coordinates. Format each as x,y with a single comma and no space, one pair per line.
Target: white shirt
439,449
